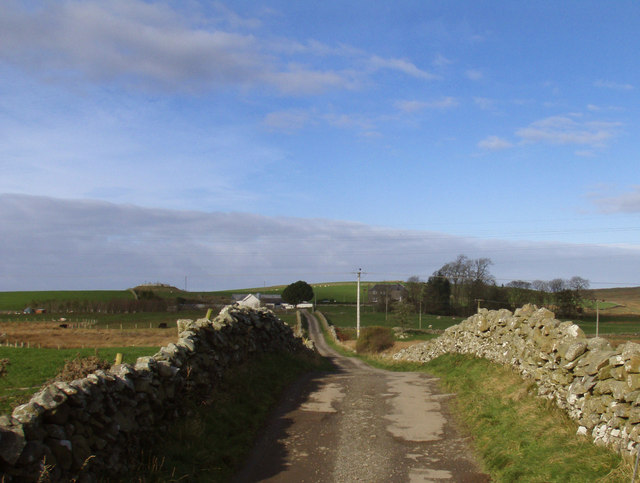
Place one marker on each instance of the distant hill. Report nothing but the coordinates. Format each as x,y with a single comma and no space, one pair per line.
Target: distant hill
626,300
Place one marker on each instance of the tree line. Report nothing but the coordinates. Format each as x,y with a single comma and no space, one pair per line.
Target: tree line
459,287
146,301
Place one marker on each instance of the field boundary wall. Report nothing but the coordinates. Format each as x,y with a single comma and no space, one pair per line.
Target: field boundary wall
95,426
597,385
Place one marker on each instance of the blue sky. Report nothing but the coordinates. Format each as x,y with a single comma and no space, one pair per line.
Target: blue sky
506,128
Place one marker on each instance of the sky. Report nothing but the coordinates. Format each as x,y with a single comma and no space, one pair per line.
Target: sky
220,145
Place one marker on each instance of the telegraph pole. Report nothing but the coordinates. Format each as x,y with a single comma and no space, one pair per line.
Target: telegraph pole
358,308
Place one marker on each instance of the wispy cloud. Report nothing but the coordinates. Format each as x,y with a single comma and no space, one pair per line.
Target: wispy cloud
288,121
441,61
292,120
401,65
565,130
132,43
622,203
299,80
152,46
620,86
474,74
416,106
494,143
484,103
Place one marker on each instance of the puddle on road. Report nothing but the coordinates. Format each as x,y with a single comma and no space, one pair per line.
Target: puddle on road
415,414
427,475
322,400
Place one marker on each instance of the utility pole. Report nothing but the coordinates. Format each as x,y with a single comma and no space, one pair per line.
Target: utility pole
358,308
421,297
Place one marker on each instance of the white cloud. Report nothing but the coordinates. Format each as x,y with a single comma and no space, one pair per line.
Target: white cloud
53,243
620,86
129,42
298,80
294,119
474,74
494,143
585,153
484,103
401,65
415,106
565,130
349,121
441,61
287,121
153,46
622,203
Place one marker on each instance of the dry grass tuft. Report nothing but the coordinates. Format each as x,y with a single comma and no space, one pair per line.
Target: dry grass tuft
81,367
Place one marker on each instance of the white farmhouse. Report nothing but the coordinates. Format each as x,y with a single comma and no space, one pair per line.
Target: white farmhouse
245,300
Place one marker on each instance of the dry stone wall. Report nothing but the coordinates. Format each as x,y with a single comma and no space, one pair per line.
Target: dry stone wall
94,426
597,385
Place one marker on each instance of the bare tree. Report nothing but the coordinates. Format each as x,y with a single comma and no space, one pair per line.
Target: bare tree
578,284
479,271
557,285
520,284
469,280
540,285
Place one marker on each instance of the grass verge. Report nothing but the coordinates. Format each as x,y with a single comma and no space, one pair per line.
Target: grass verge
211,443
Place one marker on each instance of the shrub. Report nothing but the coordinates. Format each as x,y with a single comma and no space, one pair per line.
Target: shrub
345,334
81,367
374,339
3,366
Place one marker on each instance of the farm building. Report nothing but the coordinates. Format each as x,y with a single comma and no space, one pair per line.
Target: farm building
30,310
258,300
394,291
246,300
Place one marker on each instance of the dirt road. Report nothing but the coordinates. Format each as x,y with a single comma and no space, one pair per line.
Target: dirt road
361,424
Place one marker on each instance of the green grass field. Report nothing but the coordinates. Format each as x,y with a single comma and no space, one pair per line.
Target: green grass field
21,300
611,325
340,292
345,316
28,369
